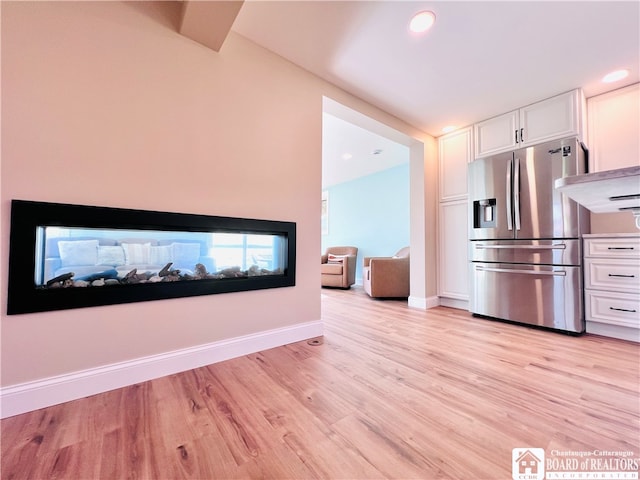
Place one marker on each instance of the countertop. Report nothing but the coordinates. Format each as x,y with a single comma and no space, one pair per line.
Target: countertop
604,192
611,235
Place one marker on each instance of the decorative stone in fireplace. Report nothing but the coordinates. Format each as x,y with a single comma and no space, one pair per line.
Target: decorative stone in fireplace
71,256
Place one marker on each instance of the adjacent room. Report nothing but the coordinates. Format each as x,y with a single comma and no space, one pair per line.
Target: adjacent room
171,173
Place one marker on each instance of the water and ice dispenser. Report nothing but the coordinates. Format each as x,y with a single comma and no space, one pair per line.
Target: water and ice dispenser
484,213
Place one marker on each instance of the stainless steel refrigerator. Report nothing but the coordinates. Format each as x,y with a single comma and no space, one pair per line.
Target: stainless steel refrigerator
525,237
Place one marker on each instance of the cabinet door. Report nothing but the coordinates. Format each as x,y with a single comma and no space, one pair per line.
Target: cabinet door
614,123
454,154
556,117
453,273
498,134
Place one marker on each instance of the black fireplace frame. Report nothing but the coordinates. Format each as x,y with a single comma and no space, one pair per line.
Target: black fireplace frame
26,216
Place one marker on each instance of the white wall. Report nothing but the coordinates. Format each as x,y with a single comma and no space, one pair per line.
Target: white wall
103,103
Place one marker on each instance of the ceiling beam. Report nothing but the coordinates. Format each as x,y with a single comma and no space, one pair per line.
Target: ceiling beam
209,22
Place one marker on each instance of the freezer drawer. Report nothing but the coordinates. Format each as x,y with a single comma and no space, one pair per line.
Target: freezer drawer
541,295
548,252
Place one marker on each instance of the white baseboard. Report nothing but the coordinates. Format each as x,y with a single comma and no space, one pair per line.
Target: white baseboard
432,302
454,303
423,303
614,331
26,397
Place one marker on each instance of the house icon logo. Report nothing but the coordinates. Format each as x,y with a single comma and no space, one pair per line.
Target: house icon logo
527,463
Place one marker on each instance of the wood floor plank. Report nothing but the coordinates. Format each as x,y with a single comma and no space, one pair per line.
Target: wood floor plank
390,392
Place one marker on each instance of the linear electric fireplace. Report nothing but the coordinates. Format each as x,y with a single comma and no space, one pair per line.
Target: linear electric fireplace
71,256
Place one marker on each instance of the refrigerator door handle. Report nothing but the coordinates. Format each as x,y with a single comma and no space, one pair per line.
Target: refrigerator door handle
558,273
555,246
509,196
516,192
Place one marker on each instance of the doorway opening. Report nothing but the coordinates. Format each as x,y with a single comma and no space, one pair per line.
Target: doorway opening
404,167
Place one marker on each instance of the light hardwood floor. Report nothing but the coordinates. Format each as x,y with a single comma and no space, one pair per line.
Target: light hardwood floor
392,392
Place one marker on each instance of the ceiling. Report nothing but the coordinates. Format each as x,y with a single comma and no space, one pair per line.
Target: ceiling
480,58
369,152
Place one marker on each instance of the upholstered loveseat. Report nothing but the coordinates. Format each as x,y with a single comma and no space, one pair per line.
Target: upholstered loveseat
89,257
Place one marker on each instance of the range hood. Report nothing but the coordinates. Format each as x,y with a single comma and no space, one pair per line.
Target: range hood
605,192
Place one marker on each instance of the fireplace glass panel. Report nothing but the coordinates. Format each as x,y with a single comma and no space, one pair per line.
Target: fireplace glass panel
81,257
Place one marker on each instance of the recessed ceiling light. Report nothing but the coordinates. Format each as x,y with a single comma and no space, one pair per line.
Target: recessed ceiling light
449,128
347,156
615,76
422,21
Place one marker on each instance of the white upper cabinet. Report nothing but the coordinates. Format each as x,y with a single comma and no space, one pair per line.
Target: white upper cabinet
614,126
556,117
498,134
455,153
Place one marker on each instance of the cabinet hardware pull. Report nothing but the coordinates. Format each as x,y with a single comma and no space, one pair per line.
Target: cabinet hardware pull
522,135
622,310
620,275
517,136
555,246
508,188
516,192
620,248
634,196
554,273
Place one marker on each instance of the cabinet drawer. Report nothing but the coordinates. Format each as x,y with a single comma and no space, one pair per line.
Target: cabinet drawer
617,274
614,308
612,247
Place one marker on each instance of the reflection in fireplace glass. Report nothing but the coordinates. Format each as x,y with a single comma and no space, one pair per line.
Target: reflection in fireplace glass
87,257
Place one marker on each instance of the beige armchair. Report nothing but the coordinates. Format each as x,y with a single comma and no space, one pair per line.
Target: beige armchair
387,276
338,267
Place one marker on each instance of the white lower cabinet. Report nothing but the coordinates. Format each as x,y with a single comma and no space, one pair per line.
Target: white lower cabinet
453,264
612,285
